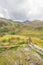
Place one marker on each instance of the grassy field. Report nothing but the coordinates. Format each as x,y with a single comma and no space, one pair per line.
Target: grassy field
15,44
8,40
20,55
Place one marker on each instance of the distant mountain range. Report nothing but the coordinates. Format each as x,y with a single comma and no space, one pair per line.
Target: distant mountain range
16,27
26,21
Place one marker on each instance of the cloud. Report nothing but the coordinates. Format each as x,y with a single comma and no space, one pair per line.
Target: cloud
4,13
22,9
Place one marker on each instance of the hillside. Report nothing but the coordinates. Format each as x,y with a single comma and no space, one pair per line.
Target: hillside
13,27
32,29
21,43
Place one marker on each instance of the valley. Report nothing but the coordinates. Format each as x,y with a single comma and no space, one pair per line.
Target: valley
21,43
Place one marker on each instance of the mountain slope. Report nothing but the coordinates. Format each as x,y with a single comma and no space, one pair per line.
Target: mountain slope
13,27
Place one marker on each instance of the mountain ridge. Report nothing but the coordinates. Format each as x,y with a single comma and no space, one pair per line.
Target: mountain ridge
13,27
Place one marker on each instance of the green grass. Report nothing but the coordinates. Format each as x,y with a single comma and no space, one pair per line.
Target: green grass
18,33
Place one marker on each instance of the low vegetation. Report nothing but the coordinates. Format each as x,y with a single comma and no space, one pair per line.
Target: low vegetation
15,46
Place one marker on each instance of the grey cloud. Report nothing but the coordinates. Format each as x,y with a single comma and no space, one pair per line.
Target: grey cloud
22,9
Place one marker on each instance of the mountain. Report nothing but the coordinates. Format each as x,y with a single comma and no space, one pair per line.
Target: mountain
26,21
14,27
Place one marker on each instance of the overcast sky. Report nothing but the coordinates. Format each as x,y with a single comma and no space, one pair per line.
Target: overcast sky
21,9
